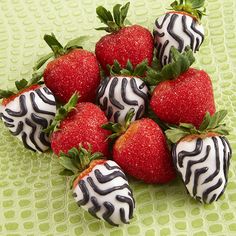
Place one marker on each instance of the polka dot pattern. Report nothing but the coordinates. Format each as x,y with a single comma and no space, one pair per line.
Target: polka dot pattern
34,199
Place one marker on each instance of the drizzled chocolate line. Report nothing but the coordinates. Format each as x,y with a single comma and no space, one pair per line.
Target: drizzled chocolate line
155,32
9,125
102,88
211,189
24,140
122,215
106,191
95,208
197,174
47,91
163,51
18,129
109,211
23,108
225,161
111,167
217,157
139,112
193,162
6,118
109,112
142,85
39,120
184,154
159,45
129,202
116,116
85,193
43,139
36,108
123,93
106,178
44,98
188,32
32,133
193,27
112,94
159,26
170,30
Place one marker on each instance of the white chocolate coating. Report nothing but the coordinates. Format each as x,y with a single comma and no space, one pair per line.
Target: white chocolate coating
28,114
105,194
203,165
118,94
179,31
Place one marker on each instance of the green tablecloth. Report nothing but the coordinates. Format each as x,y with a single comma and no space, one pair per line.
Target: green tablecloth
34,199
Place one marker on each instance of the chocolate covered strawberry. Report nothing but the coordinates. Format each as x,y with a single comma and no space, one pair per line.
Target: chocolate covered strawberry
99,186
141,151
179,28
134,43
122,91
27,111
202,156
182,94
73,70
78,123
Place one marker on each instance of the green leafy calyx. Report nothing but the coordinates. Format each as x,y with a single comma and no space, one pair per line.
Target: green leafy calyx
62,113
118,129
57,48
129,70
21,85
114,22
210,124
180,63
193,7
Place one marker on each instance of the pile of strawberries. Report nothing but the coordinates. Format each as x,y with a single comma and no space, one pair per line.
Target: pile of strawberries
134,107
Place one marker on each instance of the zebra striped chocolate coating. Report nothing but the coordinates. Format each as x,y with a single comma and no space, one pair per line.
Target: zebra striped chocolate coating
28,114
105,194
117,95
179,31
203,165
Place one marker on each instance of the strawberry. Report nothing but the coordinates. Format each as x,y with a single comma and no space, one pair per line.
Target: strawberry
73,70
27,111
122,91
76,124
202,157
141,150
134,43
179,28
183,94
99,186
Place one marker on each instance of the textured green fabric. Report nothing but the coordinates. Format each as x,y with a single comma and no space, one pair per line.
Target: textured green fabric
34,200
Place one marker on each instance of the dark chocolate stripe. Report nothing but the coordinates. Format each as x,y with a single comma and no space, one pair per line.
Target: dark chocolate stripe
116,116
1,114
159,26
197,31
7,118
225,161
44,98
9,125
163,51
139,112
159,50
39,120
217,158
193,162
122,215
102,88
18,129
95,208
105,191
43,140
85,193
109,112
32,133
129,201
123,93
47,91
157,33
106,178
111,167
230,150
109,211
36,108
104,104
74,194
112,99
23,108
197,45
211,189
165,59
141,86
188,32
197,174
138,92
213,198
195,152
24,137
170,30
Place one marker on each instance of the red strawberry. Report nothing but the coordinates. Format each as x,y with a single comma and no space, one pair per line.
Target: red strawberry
133,42
187,97
73,70
142,152
79,125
